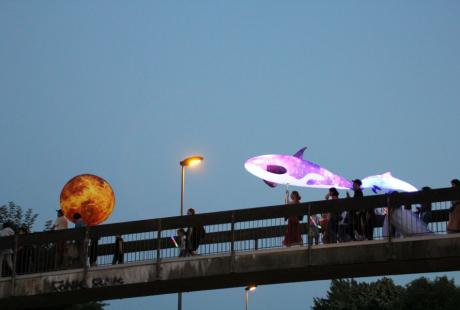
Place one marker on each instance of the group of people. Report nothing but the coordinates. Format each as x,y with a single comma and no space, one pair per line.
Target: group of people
71,251
67,253
359,225
61,253
189,240
334,227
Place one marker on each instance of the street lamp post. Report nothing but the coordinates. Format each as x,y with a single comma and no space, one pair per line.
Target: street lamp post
247,289
187,162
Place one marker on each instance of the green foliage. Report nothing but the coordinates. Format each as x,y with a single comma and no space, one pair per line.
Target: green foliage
13,213
383,294
349,294
440,294
48,225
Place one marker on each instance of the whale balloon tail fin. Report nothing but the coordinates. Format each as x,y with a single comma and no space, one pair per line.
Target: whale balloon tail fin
271,184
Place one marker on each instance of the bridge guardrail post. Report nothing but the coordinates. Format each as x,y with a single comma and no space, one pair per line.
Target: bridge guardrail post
159,241
232,232
85,250
389,211
308,226
158,249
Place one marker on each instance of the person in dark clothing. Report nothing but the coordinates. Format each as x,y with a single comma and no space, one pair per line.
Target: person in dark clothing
194,235
357,218
79,244
25,254
369,223
78,221
424,211
453,226
181,240
118,254
365,220
332,218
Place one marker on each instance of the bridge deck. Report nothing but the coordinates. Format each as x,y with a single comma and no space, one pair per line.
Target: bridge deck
354,259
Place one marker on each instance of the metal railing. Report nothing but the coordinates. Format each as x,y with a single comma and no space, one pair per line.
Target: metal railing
226,233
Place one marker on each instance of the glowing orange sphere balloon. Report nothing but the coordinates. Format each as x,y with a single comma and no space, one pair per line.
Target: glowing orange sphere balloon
89,195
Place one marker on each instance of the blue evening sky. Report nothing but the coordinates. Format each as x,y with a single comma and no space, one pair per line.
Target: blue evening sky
126,89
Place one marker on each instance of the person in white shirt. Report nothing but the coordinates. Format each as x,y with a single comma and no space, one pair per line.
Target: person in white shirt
61,221
6,254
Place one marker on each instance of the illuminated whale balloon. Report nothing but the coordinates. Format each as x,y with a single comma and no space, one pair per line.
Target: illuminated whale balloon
388,182
296,171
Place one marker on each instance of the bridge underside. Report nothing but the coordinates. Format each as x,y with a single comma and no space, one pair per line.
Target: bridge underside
433,253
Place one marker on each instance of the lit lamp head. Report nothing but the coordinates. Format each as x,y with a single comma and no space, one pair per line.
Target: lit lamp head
191,161
251,288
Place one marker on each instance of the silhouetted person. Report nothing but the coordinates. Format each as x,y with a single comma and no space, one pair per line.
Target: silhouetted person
118,254
313,234
181,242
453,226
6,254
424,211
24,254
331,225
194,235
60,223
79,223
356,219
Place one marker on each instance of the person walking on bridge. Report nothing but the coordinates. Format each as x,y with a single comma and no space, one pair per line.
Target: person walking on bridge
332,222
293,236
453,226
194,235
59,224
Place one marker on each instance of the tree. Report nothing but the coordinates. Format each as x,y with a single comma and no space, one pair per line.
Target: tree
349,294
423,293
48,225
13,213
419,294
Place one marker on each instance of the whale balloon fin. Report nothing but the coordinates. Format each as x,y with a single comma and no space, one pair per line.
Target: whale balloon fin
375,188
271,184
299,153
387,174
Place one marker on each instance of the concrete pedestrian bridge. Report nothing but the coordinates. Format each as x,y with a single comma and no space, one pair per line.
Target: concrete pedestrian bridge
240,248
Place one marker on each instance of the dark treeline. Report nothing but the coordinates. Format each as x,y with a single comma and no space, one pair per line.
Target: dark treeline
420,294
